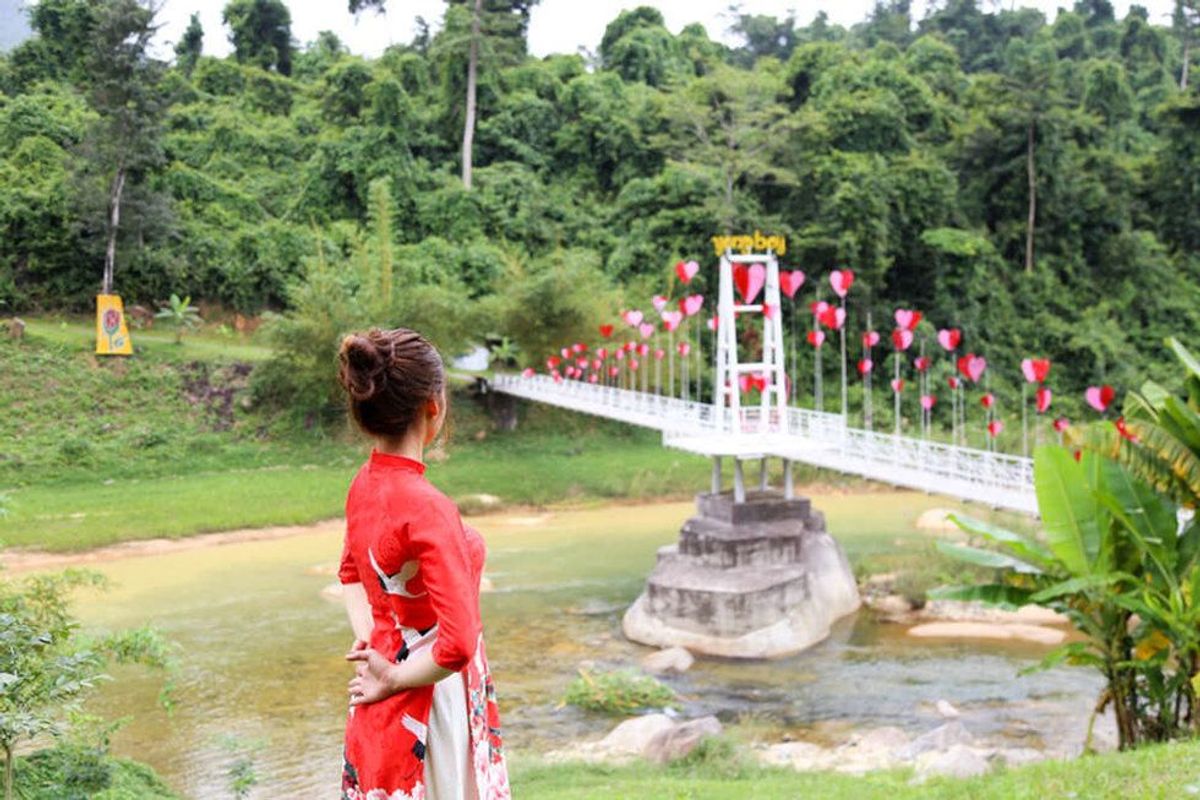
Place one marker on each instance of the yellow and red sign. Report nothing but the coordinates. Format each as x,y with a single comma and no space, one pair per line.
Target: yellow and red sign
112,334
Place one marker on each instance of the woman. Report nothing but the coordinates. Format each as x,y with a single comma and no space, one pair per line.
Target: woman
423,721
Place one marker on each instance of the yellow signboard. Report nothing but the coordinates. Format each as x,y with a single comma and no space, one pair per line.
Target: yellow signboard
112,336
745,243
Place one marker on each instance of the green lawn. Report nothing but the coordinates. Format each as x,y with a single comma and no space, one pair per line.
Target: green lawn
1163,771
79,333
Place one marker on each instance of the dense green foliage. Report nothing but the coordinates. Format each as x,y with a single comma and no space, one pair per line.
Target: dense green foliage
902,148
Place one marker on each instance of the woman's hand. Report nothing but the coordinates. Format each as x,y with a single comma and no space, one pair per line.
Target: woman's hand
375,677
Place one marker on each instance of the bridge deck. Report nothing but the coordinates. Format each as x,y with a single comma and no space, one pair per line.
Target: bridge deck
810,437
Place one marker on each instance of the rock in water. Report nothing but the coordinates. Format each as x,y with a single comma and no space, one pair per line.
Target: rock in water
675,743
633,735
947,710
758,579
672,659
941,738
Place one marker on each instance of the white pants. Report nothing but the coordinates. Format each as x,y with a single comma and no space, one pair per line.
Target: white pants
448,771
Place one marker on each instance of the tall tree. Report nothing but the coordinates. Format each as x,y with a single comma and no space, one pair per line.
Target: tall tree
261,33
188,49
125,91
1185,20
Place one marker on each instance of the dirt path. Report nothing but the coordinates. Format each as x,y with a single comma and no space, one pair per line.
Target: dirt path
29,560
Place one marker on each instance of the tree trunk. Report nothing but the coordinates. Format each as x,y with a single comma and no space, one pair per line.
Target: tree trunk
114,223
1187,48
8,772
1030,169
472,70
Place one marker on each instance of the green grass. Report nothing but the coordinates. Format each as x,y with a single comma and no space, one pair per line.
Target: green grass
1163,771
79,333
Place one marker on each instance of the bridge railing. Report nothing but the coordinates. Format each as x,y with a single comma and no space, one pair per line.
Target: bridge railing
815,437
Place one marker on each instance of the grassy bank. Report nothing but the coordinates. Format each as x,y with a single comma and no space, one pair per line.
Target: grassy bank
1152,773
94,451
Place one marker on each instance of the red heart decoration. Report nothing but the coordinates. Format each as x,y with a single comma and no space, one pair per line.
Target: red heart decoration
816,338
1100,397
949,338
841,280
597,364
759,381
686,270
620,354
593,378
691,304
818,307
897,385
671,320
660,354
527,372
902,338
602,352
972,366
633,364
1061,424
643,349
790,282
711,323
953,382
832,317
870,338
1035,369
907,319
988,400
566,352
994,428
1043,398
770,311
865,366
744,382
557,376
606,331
581,362
928,401
749,280
921,363
552,362
684,348
1119,422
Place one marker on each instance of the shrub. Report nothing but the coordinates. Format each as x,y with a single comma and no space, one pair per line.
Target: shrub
619,692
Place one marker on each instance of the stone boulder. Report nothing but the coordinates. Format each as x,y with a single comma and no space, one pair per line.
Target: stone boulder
956,761
937,520
988,630
670,659
941,738
674,743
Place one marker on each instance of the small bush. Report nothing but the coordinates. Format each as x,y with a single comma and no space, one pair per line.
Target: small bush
619,692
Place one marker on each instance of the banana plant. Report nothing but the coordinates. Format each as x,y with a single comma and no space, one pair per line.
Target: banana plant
1114,559
180,313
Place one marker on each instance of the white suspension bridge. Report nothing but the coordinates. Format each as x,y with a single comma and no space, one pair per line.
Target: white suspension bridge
772,429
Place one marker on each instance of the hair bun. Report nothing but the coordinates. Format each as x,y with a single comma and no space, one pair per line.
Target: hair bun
363,370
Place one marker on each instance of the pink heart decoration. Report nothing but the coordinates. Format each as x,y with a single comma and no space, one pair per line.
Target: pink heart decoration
770,311
660,354
566,352
1035,369
832,317
790,282
597,364
994,428
643,349
527,372
744,382
818,307
1043,398
816,338
659,302
578,347
558,378
552,362
684,348
988,400
928,401
1100,397
865,366
921,363
953,382
691,304
633,364
633,318
1061,424
749,280
949,338
870,338
841,280
593,378
614,372
628,346
581,362
711,322
686,270
902,338
646,330
671,320
972,366
606,331
907,319
897,385
602,352
620,354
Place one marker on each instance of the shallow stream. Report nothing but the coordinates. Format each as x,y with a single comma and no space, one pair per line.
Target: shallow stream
262,671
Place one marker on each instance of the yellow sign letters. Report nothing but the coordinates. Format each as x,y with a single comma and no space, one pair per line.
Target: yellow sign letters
758,243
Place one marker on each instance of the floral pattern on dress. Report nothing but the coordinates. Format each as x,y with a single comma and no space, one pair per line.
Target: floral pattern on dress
483,716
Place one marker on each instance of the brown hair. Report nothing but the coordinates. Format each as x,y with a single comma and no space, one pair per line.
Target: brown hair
388,376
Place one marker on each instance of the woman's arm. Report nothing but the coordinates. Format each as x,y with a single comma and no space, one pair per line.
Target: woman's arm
358,609
377,678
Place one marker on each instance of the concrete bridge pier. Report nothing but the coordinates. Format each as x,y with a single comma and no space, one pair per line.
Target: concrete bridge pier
755,574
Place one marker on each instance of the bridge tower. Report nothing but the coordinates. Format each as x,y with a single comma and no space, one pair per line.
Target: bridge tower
729,367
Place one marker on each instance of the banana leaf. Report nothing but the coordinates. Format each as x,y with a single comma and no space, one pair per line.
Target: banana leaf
1023,547
1074,522
987,558
995,594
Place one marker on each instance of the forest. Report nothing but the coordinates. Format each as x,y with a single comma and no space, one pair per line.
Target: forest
1033,181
